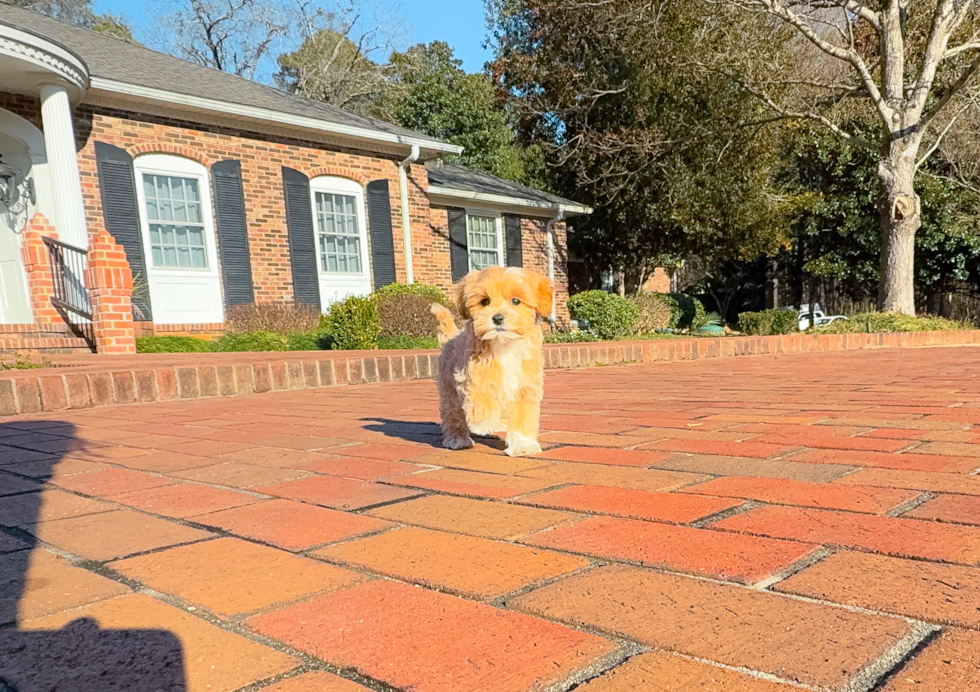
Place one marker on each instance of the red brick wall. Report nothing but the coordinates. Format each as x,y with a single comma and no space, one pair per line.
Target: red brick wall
262,158
535,247
659,282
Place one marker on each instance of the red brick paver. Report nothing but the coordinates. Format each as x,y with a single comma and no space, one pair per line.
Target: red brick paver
393,632
805,642
760,523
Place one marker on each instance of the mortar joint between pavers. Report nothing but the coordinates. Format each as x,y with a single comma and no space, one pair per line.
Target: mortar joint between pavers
874,674
705,522
808,560
909,505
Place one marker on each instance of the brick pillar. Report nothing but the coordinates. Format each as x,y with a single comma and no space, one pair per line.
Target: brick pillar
110,286
37,265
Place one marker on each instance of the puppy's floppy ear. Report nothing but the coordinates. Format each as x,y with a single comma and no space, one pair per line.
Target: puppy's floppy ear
543,293
459,292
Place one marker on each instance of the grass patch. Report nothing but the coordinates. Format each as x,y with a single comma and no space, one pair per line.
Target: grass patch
21,363
889,323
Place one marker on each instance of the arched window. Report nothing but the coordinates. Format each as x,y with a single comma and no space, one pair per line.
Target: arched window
340,237
178,240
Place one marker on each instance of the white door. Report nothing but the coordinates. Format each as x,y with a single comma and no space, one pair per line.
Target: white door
340,239
178,240
15,306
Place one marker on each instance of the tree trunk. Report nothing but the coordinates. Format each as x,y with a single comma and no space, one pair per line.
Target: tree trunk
899,211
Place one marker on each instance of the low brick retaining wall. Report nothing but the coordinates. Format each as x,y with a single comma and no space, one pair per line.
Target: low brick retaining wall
96,380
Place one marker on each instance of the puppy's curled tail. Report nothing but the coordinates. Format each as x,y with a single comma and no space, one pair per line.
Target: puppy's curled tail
447,325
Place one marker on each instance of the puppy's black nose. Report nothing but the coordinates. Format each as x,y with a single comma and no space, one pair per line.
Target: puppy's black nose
498,319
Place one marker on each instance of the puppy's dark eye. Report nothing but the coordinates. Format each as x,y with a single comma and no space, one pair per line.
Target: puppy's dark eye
515,301
485,302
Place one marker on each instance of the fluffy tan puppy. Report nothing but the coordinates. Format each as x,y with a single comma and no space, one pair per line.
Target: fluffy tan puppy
491,376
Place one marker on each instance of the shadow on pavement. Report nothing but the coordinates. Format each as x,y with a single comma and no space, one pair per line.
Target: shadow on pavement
81,656
421,433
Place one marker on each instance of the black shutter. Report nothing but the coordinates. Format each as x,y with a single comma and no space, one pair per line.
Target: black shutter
120,214
229,212
302,248
512,238
459,257
382,244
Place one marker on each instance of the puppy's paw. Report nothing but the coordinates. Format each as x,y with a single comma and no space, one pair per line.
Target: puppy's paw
521,446
454,442
482,429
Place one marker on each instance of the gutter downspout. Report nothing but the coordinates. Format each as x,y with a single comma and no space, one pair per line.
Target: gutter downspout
550,230
406,217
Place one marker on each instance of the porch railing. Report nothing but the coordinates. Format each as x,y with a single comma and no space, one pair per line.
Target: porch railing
67,272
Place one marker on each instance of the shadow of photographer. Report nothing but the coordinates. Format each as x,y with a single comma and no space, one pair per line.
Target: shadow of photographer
81,656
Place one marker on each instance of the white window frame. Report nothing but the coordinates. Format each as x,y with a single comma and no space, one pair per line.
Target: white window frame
341,186
166,164
207,306
498,223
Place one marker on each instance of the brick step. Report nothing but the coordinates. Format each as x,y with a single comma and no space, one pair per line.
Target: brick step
84,381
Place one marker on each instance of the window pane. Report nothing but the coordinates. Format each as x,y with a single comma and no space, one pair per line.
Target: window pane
179,243
337,228
482,239
190,190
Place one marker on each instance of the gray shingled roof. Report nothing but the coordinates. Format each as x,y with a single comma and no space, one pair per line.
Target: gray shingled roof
456,177
119,61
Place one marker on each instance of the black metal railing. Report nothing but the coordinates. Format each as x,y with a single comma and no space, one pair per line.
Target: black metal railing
68,274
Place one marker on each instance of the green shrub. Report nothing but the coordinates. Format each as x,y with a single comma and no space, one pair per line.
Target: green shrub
304,341
353,324
577,337
406,314
657,311
392,343
888,322
253,341
609,316
769,322
172,344
690,311
431,293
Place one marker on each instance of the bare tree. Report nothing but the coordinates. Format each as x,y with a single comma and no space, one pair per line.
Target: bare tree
235,36
339,61
73,11
912,63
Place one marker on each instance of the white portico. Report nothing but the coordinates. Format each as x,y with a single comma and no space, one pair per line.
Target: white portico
38,167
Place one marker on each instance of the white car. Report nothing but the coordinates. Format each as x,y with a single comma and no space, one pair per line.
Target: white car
819,318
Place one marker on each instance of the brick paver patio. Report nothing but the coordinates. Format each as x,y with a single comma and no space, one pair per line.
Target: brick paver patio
766,524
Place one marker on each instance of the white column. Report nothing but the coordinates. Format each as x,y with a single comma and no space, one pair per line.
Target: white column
59,141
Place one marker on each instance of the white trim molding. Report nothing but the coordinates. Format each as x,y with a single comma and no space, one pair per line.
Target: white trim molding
174,101
54,59
453,196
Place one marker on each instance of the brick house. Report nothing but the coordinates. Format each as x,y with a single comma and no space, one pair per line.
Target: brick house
214,191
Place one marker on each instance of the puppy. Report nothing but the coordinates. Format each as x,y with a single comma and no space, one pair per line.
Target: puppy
491,375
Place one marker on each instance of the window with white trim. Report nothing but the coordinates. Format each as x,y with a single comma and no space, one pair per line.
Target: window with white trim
175,217
483,240
338,233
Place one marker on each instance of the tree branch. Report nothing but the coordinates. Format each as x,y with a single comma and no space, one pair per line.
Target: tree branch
778,8
953,90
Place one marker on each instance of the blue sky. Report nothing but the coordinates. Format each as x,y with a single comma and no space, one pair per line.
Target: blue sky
460,23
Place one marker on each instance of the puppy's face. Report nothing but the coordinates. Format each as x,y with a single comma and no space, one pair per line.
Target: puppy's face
503,303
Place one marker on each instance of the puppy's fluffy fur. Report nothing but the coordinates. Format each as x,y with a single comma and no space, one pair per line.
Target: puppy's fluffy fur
491,375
